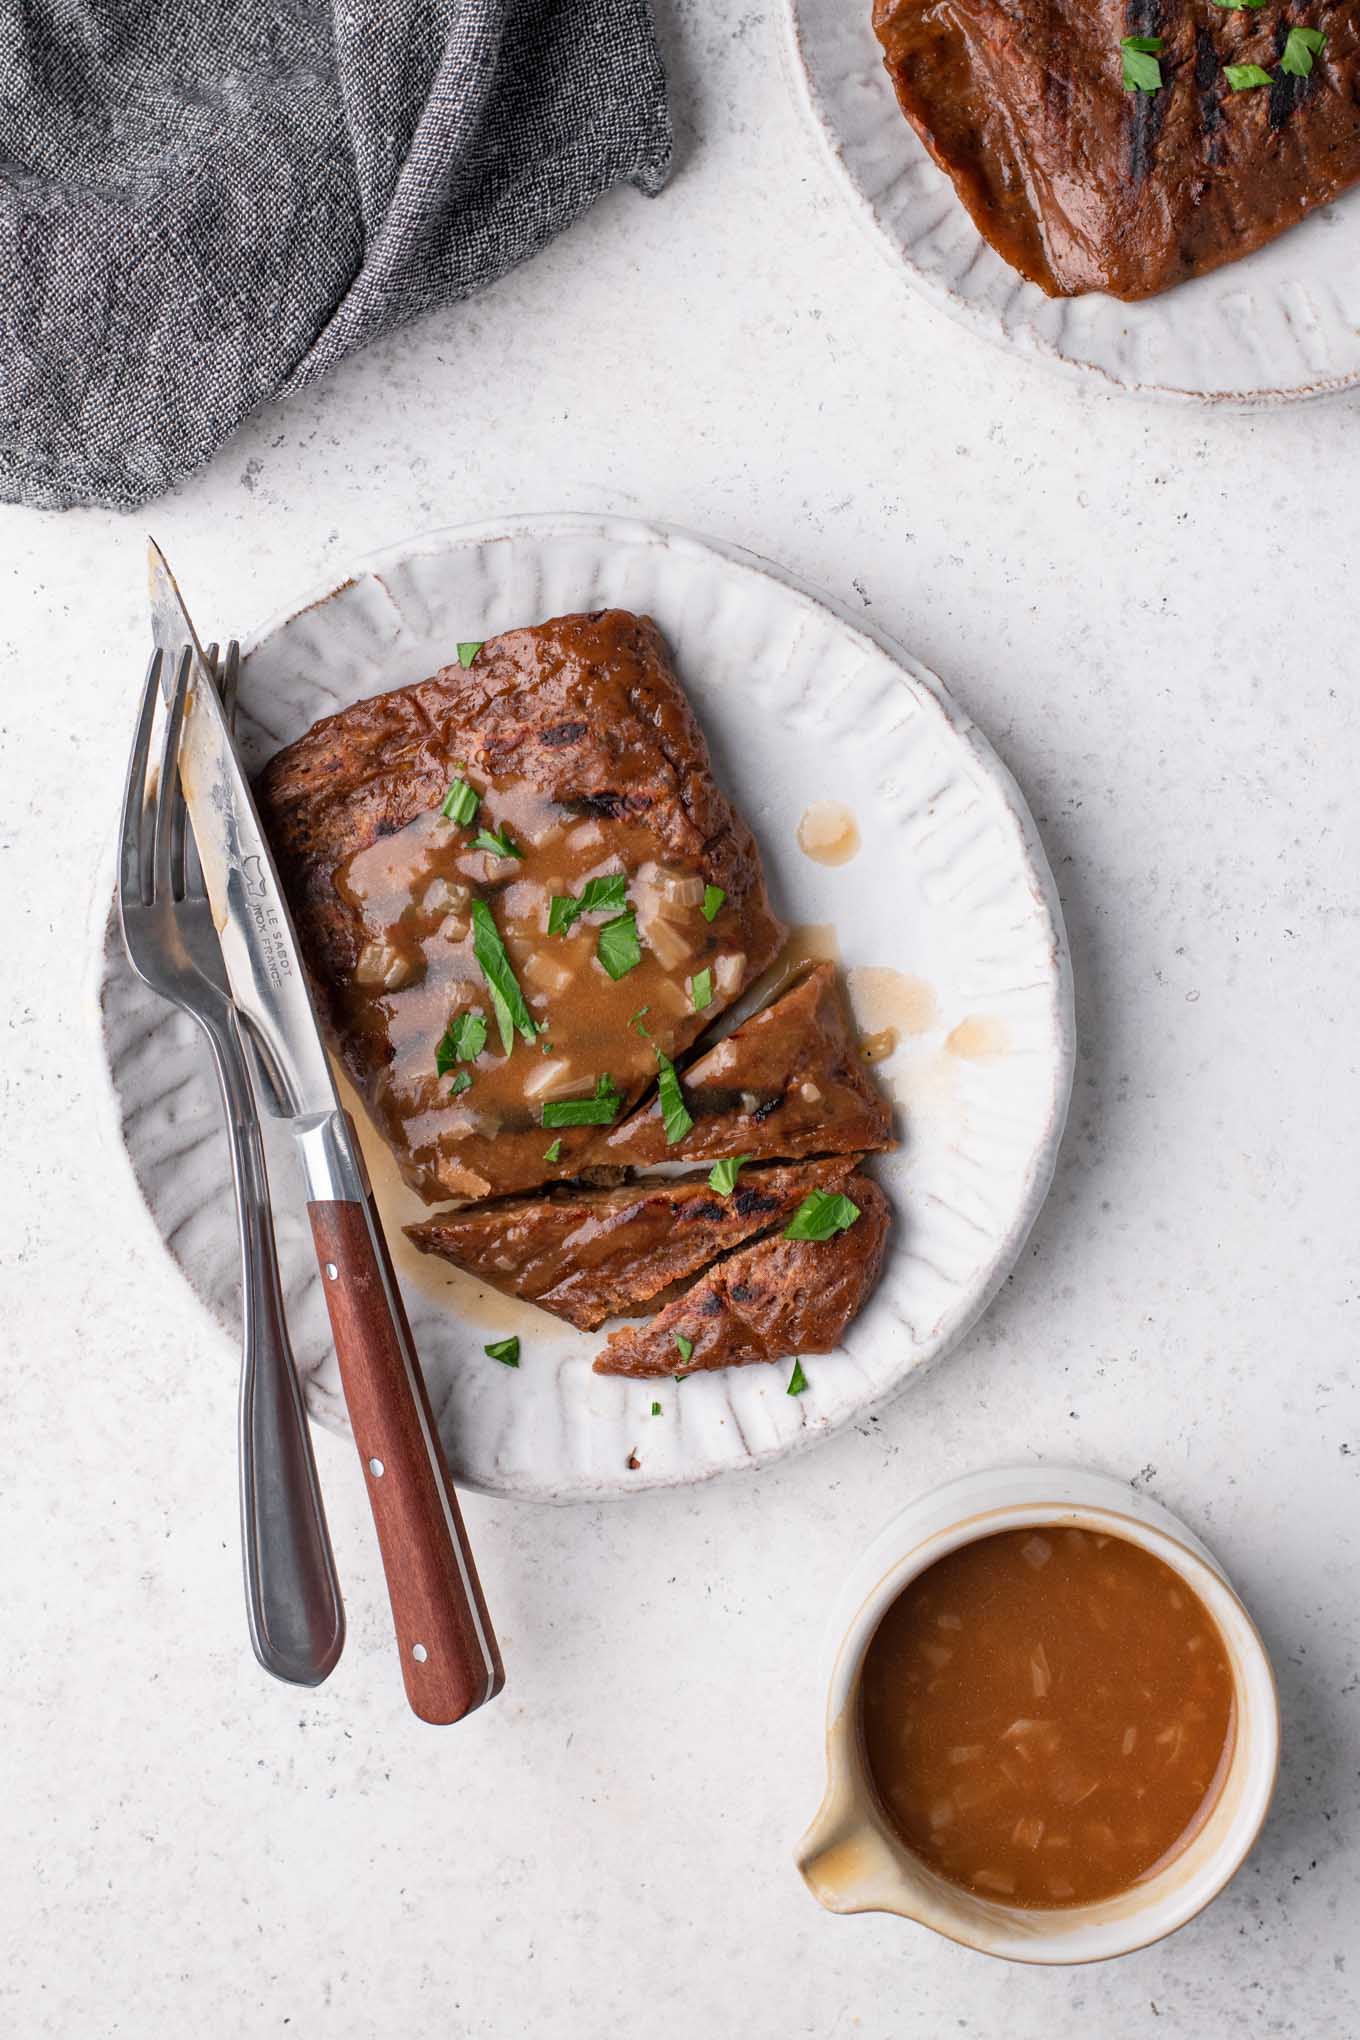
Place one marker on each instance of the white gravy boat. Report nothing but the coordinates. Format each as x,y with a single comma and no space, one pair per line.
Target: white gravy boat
851,1857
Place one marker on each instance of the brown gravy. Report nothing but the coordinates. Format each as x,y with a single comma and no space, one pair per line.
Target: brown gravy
1047,1715
413,890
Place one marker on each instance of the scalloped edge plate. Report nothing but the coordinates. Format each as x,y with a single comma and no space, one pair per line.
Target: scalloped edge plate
1280,326
971,920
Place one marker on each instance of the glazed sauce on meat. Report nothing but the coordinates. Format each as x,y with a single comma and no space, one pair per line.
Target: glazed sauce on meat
1047,1715
416,969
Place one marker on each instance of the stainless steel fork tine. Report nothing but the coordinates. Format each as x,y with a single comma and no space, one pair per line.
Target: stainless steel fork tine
231,682
133,870
167,785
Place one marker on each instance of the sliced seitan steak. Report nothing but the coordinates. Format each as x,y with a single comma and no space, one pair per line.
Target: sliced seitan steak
764,1302
788,1082
577,749
588,1255
1085,185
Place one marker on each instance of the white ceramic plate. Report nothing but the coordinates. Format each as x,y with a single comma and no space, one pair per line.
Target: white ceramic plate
1281,324
950,888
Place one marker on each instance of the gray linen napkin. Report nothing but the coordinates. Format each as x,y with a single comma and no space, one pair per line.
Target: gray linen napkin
206,202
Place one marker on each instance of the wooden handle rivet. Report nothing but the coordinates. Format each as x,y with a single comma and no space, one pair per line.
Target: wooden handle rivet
375,1467
419,1653
332,1272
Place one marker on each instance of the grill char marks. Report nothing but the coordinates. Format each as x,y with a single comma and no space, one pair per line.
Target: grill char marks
1209,95
1148,109
765,1302
1087,187
588,1255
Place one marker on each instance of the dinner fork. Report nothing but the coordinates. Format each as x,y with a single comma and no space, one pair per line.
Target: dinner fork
295,1614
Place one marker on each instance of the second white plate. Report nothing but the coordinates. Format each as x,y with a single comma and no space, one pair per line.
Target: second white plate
1283,323
946,920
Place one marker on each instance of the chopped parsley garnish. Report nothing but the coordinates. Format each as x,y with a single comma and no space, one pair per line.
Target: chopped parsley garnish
714,895
684,1347
468,651
636,1022
701,989
798,1381
504,1350
618,947
607,895
462,1041
821,1213
1301,45
656,1409
512,1013
553,1153
1237,6
722,1177
462,1081
1245,77
498,843
674,1112
1142,72
461,804
601,1110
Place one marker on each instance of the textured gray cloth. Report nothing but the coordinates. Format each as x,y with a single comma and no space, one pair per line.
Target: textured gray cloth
206,202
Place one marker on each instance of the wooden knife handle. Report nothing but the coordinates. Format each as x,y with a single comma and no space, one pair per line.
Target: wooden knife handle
449,1657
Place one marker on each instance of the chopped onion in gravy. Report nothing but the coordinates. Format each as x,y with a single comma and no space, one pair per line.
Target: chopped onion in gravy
1073,1732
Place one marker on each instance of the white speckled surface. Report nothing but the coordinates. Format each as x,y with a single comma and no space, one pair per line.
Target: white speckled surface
1152,614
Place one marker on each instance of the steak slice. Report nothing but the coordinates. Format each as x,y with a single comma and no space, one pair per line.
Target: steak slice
790,1081
1083,185
586,758
587,1255
767,1301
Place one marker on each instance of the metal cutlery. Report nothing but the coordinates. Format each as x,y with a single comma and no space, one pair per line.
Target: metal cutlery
449,1657
295,1614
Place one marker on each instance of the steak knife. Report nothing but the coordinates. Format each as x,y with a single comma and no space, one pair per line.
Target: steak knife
450,1661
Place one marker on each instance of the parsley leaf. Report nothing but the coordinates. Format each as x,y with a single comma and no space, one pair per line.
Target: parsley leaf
1238,5
798,1381
461,804
701,989
463,1041
637,1024
468,651
821,1213
684,1346
618,947
512,1013
462,1082
1245,77
714,895
656,1409
1301,45
553,1153
601,1110
605,895
722,1177
498,843
674,1112
1142,72
504,1350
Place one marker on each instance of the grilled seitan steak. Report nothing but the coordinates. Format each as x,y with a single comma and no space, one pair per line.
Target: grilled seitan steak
588,1255
765,1302
788,1082
422,837
1084,185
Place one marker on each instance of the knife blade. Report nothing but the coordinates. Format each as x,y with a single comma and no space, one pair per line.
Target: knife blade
449,1657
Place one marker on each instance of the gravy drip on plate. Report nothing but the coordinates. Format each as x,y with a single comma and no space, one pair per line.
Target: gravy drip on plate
1048,1715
